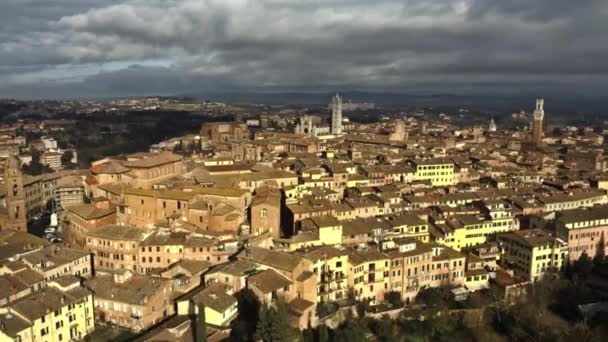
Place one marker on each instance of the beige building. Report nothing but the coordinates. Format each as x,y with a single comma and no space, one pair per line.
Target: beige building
55,261
51,159
584,230
301,293
416,265
147,171
69,192
368,273
85,218
533,252
130,300
115,247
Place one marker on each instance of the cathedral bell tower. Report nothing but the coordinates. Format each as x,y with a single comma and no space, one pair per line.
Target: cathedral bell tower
15,196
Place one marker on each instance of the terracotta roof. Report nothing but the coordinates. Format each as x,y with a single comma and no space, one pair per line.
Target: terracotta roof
46,300
90,211
156,160
116,232
135,290
280,260
109,167
299,305
214,296
268,281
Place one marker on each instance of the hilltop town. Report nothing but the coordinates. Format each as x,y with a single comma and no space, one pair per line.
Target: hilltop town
316,217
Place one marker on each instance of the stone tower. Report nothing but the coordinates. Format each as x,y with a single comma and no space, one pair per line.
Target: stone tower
336,115
398,132
15,196
537,126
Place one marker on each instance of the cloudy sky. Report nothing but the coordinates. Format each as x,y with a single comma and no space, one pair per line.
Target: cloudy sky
102,48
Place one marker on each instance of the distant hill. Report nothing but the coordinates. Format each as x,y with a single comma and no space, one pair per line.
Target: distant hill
557,103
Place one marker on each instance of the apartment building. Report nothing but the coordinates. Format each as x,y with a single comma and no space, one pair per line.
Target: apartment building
410,266
415,265
368,273
69,192
115,247
130,300
584,230
468,230
54,261
408,225
162,248
53,314
330,265
562,201
86,218
51,159
439,172
533,252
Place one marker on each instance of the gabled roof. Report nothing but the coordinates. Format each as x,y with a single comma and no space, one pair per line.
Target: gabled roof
280,260
268,281
90,211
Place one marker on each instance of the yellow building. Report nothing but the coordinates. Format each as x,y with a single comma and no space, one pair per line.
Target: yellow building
220,306
52,314
476,276
357,180
331,268
329,228
533,252
439,172
470,230
409,226
368,274
316,231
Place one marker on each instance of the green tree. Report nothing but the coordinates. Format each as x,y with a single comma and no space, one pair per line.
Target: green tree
361,308
273,326
66,158
581,269
244,327
350,331
200,324
262,331
35,167
432,296
322,333
382,328
394,299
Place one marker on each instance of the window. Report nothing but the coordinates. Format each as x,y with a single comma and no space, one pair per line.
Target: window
44,331
264,212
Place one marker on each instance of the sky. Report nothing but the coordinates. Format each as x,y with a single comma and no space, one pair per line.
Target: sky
106,48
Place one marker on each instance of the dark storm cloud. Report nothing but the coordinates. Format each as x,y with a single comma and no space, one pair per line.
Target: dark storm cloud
257,45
